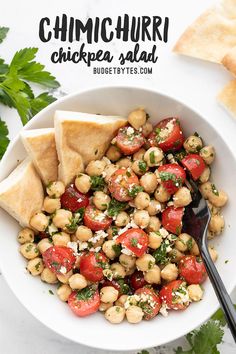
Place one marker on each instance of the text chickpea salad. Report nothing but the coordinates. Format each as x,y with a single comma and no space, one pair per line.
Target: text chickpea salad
112,240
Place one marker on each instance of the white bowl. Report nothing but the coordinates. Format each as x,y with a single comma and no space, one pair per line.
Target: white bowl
94,330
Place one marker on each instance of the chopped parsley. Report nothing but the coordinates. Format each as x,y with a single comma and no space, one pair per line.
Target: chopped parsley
51,292
117,249
135,190
37,266
134,242
75,220
97,183
115,207
189,244
142,165
86,293
168,176
124,288
152,157
214,190
160,254
128,174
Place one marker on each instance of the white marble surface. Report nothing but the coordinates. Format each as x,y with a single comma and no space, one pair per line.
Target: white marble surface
194,82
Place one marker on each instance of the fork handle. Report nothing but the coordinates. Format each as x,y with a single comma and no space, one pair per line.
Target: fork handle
220,290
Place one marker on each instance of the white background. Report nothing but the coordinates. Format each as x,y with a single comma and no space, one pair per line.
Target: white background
192,81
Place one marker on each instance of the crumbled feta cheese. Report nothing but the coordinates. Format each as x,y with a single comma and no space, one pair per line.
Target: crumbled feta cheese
98,236
73,246
83,245
163,310
163,232
52,229
63,270
97,249
139,246
130,131
126,251
106,160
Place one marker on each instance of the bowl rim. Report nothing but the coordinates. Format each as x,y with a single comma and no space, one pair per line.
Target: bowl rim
161,93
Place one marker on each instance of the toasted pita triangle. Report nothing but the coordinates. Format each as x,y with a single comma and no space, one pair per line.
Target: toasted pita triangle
229,61
81,138
227,97
21,193
41,147
212,35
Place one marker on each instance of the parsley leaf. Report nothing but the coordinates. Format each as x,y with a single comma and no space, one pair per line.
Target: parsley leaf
86,293
160,254
115,207
219,316
4,141
135,190
3,33
97,183
40,102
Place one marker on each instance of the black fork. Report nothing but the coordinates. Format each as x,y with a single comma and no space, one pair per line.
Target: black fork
195,222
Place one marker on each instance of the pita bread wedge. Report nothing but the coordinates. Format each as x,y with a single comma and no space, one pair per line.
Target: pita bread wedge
229,61
227,97
212,35
81,138
41,147
21,193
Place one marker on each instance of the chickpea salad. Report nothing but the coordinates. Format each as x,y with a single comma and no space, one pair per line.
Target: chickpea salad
112,240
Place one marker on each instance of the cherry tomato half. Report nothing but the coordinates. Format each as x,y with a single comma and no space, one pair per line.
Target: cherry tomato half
73,200
172,219
121,183
167,135
129,140
84,302
150,304
135,240
192,269
194,164
172,177
170,295
92,265
137,280
95,219
59,259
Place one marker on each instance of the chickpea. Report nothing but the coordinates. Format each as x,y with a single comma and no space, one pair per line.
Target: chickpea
153,276
142,200
147,128
121,300
108,294
139,167
141,218
195,292
149,182
83,183
112,231
115,314
103,306
77,281
55,189
154,207
205,175
161,194
208,154
153,156
130,271
25,235
193,144
50,205
83,233
108,171
64,278
175,255
124,162
137,118
154,224
139,155
95,167
48,276
169,272
43,245
127,261
61,239
214,210
108,248
194,250
184,242
182,197
35,266
39,221
216,224
62,218
213,254
219,199
205,189
122,219
29,250
113,153
145,262
118,270
154,240
134,314
64,292
101,200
